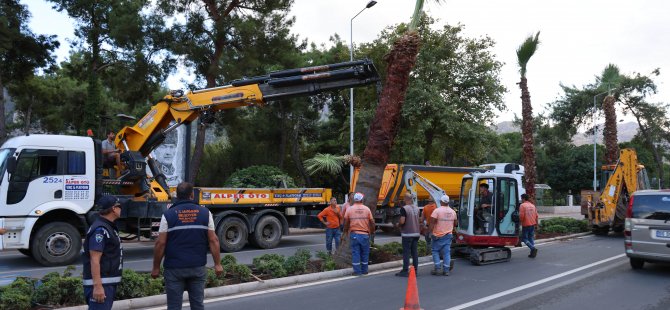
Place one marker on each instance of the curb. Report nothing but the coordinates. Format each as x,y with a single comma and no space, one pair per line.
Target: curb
540,241
213,292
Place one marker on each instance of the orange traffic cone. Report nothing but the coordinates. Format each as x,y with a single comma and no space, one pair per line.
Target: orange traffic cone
412,295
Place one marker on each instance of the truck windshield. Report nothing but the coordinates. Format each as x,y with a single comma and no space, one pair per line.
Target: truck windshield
4,154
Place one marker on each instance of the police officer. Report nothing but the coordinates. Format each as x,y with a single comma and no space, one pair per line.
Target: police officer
185,234
103,256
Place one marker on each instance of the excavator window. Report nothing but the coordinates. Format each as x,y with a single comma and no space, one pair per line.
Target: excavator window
463,217
506,205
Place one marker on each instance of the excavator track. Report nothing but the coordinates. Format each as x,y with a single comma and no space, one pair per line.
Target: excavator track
489,256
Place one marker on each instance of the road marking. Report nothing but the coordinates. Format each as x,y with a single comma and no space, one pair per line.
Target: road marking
532,284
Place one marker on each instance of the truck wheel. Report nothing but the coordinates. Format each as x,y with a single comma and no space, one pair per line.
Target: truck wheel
232,233
56,244
268,232
636,263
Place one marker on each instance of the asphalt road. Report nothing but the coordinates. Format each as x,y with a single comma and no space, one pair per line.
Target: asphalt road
585,273
139,256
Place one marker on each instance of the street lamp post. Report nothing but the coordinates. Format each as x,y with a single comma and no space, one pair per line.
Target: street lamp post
351,90
595,134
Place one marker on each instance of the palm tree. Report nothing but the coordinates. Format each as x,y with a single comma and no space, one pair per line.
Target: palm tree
610,78
384,127
524,53
331,164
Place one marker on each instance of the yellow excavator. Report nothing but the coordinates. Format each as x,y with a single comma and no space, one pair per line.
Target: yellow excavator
607,210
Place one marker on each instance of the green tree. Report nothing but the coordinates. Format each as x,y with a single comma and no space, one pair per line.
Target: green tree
118,44
259,177
524,53
213,32
21,52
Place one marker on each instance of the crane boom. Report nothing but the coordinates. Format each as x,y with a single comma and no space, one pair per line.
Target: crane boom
179,108
412,178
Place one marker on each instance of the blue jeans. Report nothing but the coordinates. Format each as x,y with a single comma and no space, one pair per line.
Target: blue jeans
409,248
110,293
192,279
332,233
442,246
360,252
528,236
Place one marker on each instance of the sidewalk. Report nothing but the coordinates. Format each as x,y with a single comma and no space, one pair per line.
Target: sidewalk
574,215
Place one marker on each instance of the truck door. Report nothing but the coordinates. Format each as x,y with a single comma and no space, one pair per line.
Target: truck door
506,202
37,179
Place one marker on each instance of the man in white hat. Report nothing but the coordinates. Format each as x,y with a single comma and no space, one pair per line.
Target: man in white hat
442,224
359,224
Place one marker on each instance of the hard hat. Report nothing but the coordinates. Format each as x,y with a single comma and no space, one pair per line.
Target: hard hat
358,197
444,198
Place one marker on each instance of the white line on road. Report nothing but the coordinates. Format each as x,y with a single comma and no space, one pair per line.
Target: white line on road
532,284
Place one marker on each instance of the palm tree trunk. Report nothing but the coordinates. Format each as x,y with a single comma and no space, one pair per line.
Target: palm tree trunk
384,127
610,132
527,134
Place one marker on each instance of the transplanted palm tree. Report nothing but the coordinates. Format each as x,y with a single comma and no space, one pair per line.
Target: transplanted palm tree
610,79
524,53
384,127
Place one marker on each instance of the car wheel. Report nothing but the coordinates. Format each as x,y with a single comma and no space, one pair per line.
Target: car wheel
636,263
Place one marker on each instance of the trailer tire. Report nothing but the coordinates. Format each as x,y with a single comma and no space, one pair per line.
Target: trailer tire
268,232
232,233
56,244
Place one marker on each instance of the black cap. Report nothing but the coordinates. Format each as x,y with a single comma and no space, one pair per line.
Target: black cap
107,202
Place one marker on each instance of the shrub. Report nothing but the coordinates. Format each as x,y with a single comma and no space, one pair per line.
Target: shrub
394,248
327,261
555,229
571,225
59,290
136,284
241,272
212,279
265,258
228,261
422,248
259,177
17,294
297,264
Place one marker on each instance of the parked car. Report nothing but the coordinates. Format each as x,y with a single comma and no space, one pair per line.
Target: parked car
647,228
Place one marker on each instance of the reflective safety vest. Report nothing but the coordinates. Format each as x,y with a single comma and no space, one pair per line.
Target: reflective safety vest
187,241
111,262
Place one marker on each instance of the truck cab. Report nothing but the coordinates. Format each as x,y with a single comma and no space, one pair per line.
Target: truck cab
47,185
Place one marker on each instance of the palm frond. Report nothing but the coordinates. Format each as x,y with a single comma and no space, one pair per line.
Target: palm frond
324,163
526,51
610,78
418,11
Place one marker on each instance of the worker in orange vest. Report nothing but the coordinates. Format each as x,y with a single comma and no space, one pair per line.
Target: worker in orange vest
331,218
358,225
528,216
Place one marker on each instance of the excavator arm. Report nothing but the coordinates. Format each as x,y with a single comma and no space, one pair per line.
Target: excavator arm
610,210
179,108
412,178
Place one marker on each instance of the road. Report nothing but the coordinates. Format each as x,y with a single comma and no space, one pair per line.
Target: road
584,273
139,256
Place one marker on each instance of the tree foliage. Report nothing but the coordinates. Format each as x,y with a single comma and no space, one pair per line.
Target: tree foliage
259,177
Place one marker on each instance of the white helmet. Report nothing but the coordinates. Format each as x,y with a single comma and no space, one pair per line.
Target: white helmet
444,198
358,197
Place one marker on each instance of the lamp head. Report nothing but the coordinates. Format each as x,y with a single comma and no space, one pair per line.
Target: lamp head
370,4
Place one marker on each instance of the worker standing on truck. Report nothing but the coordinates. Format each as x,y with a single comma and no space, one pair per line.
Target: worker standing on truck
425,218
442,224
103,256
185,232
410,231
331,218
359,224
528,216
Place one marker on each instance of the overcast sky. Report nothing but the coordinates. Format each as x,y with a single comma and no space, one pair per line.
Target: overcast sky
578,37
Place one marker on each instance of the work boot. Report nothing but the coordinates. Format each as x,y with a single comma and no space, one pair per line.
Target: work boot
533,253
436,272
451,265
445,273
402,273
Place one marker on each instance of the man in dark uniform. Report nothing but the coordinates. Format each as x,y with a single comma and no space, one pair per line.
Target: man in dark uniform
485,203
103,256
185,234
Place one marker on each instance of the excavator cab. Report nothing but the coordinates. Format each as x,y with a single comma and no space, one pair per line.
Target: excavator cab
488,219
